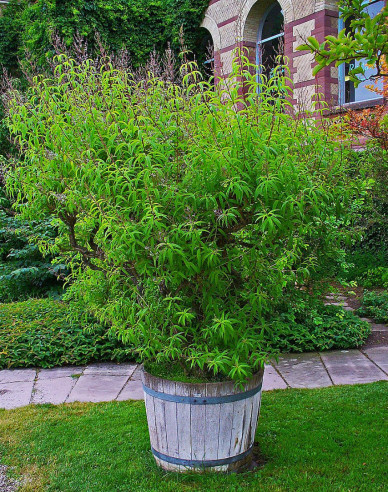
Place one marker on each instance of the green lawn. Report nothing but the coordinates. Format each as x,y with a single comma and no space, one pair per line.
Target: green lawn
332,439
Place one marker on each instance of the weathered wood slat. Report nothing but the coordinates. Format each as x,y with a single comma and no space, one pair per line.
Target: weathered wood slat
225,430
171,420
212,422
197,416
225,427
184,427
237,427
159,409
255,416
149,403
246,436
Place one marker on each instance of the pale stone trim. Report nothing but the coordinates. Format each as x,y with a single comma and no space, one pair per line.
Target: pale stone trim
211,25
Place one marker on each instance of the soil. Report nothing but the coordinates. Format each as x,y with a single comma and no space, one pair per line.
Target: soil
6,483
376,339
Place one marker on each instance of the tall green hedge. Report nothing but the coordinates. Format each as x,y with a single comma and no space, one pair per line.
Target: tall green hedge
138,25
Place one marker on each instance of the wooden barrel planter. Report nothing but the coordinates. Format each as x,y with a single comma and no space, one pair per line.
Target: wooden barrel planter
209,426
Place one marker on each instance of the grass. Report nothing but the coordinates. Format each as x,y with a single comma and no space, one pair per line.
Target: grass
331,439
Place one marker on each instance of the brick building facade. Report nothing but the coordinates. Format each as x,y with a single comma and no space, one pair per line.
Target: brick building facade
260,26
255,24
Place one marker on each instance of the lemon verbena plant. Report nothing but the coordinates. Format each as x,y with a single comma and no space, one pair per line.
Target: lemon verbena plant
186,207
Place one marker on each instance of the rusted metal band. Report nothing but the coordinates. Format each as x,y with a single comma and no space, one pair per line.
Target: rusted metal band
201,463
194,400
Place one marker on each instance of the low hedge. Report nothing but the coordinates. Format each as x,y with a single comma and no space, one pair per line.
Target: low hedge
311,326
37,333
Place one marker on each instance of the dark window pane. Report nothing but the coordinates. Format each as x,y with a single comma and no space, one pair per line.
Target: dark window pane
271,40
273,24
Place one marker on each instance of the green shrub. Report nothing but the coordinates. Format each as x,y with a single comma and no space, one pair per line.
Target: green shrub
375,306
37,333
11,27
185,219
369,254
367,268
309,325
374,277
24,271
360,261
139,26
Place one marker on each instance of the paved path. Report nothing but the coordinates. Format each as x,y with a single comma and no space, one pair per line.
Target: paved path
107,382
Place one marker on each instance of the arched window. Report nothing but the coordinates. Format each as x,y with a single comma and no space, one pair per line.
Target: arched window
270,39
205,52
209,55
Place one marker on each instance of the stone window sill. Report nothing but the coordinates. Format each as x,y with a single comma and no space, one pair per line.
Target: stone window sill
359,105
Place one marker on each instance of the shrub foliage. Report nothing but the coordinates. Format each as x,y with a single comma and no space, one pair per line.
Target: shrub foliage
186,218
24,272
306,325
375,306
139,26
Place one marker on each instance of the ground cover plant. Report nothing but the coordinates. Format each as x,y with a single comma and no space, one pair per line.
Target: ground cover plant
37,333
305,324
326,439
375,306
183,220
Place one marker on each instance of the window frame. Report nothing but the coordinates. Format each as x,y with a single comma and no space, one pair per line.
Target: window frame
342,74
260,41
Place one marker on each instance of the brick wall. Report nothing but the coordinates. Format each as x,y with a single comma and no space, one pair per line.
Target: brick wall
234,23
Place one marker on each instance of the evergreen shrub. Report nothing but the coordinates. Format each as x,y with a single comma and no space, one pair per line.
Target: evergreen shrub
24,271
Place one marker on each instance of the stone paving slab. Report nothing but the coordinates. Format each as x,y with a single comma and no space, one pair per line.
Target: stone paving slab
133,390
95,388
378,355
106,382
59,372
17,394
340,303
351,367
110,369
379,327
303,370
17,375
53,391
136,376
272,380
336,297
